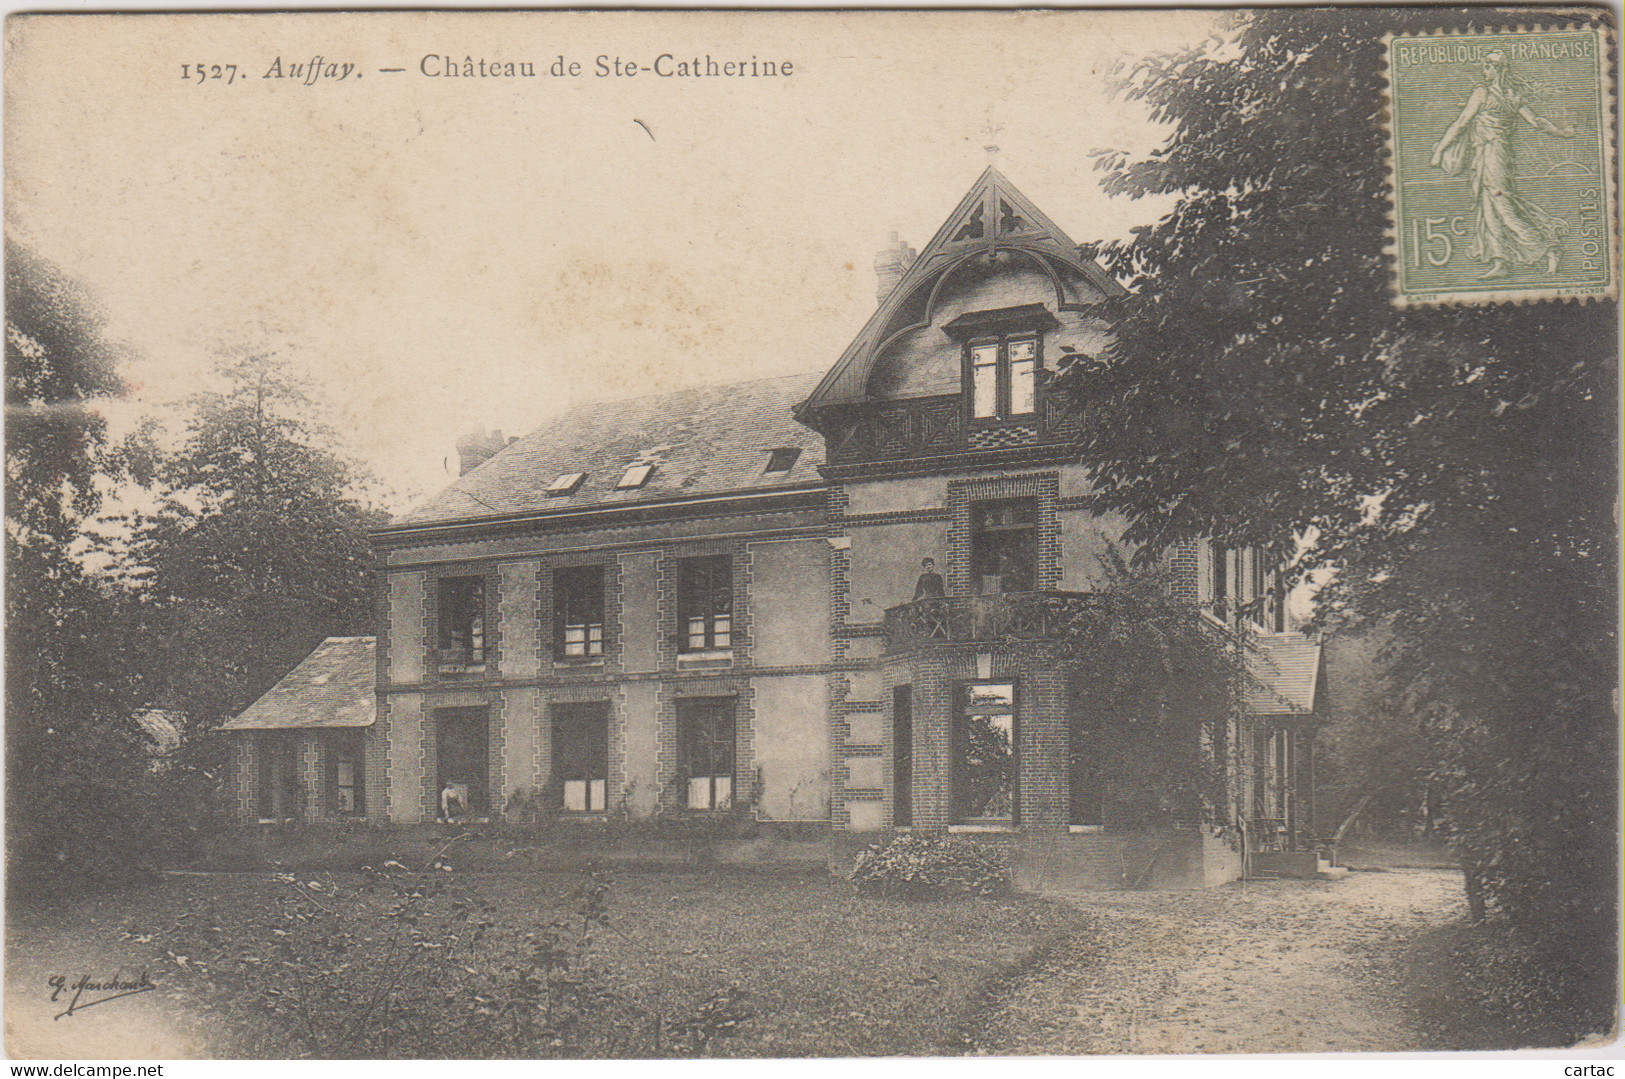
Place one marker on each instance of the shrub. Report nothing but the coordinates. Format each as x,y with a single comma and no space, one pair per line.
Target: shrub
917,866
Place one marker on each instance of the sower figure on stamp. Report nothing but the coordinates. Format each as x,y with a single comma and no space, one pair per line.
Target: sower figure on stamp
1507,227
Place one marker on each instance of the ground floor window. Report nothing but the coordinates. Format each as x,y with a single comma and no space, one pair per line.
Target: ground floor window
581,756
902,742
461,740
985,768
278,793
346,784
705,734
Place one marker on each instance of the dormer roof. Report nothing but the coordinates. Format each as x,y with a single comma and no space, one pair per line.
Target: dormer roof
993,217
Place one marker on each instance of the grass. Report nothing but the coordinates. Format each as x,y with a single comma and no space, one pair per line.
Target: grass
830,972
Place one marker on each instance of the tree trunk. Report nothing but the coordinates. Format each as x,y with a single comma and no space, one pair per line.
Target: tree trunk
1354,815
1473,879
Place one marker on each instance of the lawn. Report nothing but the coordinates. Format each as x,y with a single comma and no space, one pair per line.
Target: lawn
827,971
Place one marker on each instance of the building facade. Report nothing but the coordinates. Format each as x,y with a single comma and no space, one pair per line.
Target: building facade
833,598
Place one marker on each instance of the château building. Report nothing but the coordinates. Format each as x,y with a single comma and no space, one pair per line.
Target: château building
719,600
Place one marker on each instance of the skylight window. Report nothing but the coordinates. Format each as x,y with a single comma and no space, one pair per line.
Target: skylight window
566,484
635,477
782,460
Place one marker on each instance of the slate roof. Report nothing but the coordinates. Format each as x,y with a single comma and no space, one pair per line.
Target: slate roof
334,686
703,441
1285,671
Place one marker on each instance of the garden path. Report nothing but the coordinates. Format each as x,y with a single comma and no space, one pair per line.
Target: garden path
1278,966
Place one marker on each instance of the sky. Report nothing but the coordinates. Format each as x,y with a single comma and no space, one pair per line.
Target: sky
442,254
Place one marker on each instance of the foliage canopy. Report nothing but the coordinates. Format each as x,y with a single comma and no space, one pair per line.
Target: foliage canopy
76,758
1454,465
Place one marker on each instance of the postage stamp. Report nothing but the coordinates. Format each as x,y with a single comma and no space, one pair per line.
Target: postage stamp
1500,149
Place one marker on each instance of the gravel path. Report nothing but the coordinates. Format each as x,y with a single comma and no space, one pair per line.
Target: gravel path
1266,966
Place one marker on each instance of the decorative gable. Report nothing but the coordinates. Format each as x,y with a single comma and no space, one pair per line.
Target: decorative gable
964,341
994,225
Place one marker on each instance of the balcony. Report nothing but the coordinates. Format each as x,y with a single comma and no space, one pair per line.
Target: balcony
1018,616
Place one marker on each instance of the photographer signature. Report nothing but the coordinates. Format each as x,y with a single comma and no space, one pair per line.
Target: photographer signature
116,987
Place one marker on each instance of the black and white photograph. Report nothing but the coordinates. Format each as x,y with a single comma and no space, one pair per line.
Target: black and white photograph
652,535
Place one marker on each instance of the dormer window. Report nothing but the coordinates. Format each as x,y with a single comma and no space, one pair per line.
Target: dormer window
1004,373
1003,358
781,460
635,476
566,484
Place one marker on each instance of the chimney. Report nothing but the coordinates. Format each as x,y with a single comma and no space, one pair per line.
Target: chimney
891,264
476,448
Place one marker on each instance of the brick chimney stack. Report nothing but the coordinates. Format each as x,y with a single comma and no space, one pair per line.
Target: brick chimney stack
476,448
891,264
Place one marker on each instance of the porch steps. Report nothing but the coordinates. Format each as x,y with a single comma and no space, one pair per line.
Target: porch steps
1298,864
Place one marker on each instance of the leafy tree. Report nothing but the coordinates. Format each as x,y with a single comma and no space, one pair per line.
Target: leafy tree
257,549
1156,693
1372,778
1453,465
76,761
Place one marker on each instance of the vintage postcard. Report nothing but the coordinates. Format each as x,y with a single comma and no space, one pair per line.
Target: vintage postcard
650,535
1503,164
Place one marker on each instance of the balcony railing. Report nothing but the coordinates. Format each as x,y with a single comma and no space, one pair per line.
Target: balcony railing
1024,616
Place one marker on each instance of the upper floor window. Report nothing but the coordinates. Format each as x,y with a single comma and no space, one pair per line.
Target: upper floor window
1219,581
1003,357
1267,606
460,618
705,599
578,612
1004,546
1004,376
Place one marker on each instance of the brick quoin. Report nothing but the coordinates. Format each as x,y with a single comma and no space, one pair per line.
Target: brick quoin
377,767
1184,566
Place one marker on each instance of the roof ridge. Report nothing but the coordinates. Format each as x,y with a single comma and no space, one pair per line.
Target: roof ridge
704,386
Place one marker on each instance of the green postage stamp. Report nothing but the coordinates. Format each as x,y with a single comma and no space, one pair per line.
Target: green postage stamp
1500,145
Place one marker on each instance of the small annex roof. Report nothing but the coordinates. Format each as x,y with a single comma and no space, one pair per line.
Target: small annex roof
703,441
993,216
334,686
1285,670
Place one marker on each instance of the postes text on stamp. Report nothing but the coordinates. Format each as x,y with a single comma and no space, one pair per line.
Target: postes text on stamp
1500,150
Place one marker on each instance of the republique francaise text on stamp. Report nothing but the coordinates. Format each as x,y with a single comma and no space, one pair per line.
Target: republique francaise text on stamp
1502,171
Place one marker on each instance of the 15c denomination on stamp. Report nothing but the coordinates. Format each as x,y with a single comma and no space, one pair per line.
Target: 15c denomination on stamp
1502,167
